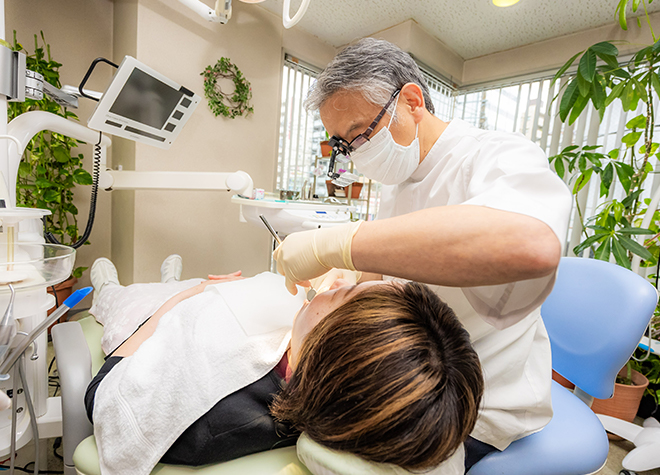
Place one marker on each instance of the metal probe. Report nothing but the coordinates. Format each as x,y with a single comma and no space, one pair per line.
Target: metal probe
311,293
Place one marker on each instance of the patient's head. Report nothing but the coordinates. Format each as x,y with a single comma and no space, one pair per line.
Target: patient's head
390,375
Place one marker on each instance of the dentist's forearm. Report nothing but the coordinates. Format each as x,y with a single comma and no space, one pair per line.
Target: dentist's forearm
458,246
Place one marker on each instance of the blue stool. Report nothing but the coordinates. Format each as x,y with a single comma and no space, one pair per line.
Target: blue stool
595,317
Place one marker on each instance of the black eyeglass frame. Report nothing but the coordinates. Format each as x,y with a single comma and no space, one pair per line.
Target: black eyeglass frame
343,147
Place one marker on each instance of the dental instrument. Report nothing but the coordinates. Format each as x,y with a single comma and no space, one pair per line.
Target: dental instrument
311,293
17,354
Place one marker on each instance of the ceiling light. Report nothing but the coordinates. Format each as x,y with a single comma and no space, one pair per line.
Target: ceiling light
252,1
504,3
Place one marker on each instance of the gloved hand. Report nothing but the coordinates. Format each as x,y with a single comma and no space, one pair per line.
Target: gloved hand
324,282
308,254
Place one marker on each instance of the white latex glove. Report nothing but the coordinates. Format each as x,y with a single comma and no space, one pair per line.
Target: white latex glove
308,254
324,282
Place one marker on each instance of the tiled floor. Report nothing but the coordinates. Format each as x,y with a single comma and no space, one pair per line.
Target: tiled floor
618,450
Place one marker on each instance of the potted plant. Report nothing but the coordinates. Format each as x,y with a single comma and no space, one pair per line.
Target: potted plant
611,232
49,171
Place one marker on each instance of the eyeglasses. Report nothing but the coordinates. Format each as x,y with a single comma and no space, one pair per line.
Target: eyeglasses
341,146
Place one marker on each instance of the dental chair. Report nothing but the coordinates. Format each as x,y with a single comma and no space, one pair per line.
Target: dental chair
595,317
79,356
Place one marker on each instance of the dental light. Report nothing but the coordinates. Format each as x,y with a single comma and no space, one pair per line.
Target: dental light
222,11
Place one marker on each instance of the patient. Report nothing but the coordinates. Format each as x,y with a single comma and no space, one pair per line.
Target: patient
381,370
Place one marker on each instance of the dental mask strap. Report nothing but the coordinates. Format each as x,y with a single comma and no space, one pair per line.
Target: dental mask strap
384,160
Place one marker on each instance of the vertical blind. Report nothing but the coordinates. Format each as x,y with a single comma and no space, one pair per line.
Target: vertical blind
528,108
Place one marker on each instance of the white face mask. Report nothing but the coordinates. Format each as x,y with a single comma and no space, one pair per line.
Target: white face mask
384,160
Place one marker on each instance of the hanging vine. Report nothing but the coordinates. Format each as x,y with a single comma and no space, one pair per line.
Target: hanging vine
233,104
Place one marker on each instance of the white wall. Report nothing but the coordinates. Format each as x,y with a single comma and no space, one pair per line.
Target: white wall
203,227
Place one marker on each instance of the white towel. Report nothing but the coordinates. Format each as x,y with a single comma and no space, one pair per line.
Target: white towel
204,349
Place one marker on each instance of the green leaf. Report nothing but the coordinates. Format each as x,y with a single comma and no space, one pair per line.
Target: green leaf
568,99
603,251
641,90
614,153
565,67
598,94
582,180
637,122
580,103
630,139
82,177
43,183
631,198
605,48
78,272
624,172
24,169
588,242
583,85
656,46
61,154
636,231
587,66
570,148
606,179
635,247
621,10
51,196
582,163
620,254
616,92
635,5
559,167
627,96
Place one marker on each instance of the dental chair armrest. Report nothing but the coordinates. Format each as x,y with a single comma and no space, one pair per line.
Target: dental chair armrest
74,365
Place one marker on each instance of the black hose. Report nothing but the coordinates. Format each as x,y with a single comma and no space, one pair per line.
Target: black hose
96,173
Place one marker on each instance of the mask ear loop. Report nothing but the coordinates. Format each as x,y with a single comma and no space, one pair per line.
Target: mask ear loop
392,118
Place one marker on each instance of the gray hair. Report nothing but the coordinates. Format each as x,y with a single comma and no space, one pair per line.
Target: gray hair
374,68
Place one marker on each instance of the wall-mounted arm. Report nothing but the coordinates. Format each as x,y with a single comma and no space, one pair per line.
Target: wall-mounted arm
26,126
221,14
239,182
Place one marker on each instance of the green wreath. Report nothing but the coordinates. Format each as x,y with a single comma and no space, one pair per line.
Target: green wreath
230,105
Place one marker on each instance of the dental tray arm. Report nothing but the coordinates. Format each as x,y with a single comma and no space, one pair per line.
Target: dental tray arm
74,365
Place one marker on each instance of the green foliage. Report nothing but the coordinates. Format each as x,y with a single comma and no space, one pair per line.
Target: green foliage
613,231
49,171
650,368
232,104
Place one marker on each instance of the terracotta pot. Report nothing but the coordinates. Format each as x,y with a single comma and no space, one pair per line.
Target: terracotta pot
625,402
326,150
355,192
357,189
563,381
62,291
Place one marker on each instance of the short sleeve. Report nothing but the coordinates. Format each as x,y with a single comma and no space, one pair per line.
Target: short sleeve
510,173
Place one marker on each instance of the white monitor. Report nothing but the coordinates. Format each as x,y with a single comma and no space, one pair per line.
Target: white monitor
143,105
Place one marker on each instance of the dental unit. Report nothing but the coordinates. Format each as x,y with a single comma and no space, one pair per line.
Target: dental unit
139,104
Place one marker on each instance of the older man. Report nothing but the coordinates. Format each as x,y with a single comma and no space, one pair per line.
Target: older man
477,213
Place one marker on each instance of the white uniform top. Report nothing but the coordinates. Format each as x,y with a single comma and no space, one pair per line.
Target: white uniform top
470,166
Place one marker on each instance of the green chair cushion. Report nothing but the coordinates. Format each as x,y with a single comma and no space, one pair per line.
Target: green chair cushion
274,462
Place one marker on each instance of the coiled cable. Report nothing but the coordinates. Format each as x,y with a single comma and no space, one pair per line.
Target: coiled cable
96,173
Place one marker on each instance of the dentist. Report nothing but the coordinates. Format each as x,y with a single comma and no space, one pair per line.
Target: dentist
476,213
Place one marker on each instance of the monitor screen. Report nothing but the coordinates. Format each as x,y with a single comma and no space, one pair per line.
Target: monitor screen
145,99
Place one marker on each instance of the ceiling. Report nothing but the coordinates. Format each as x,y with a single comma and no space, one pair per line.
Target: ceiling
471,28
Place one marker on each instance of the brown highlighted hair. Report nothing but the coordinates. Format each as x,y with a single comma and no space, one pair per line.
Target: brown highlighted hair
390,376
